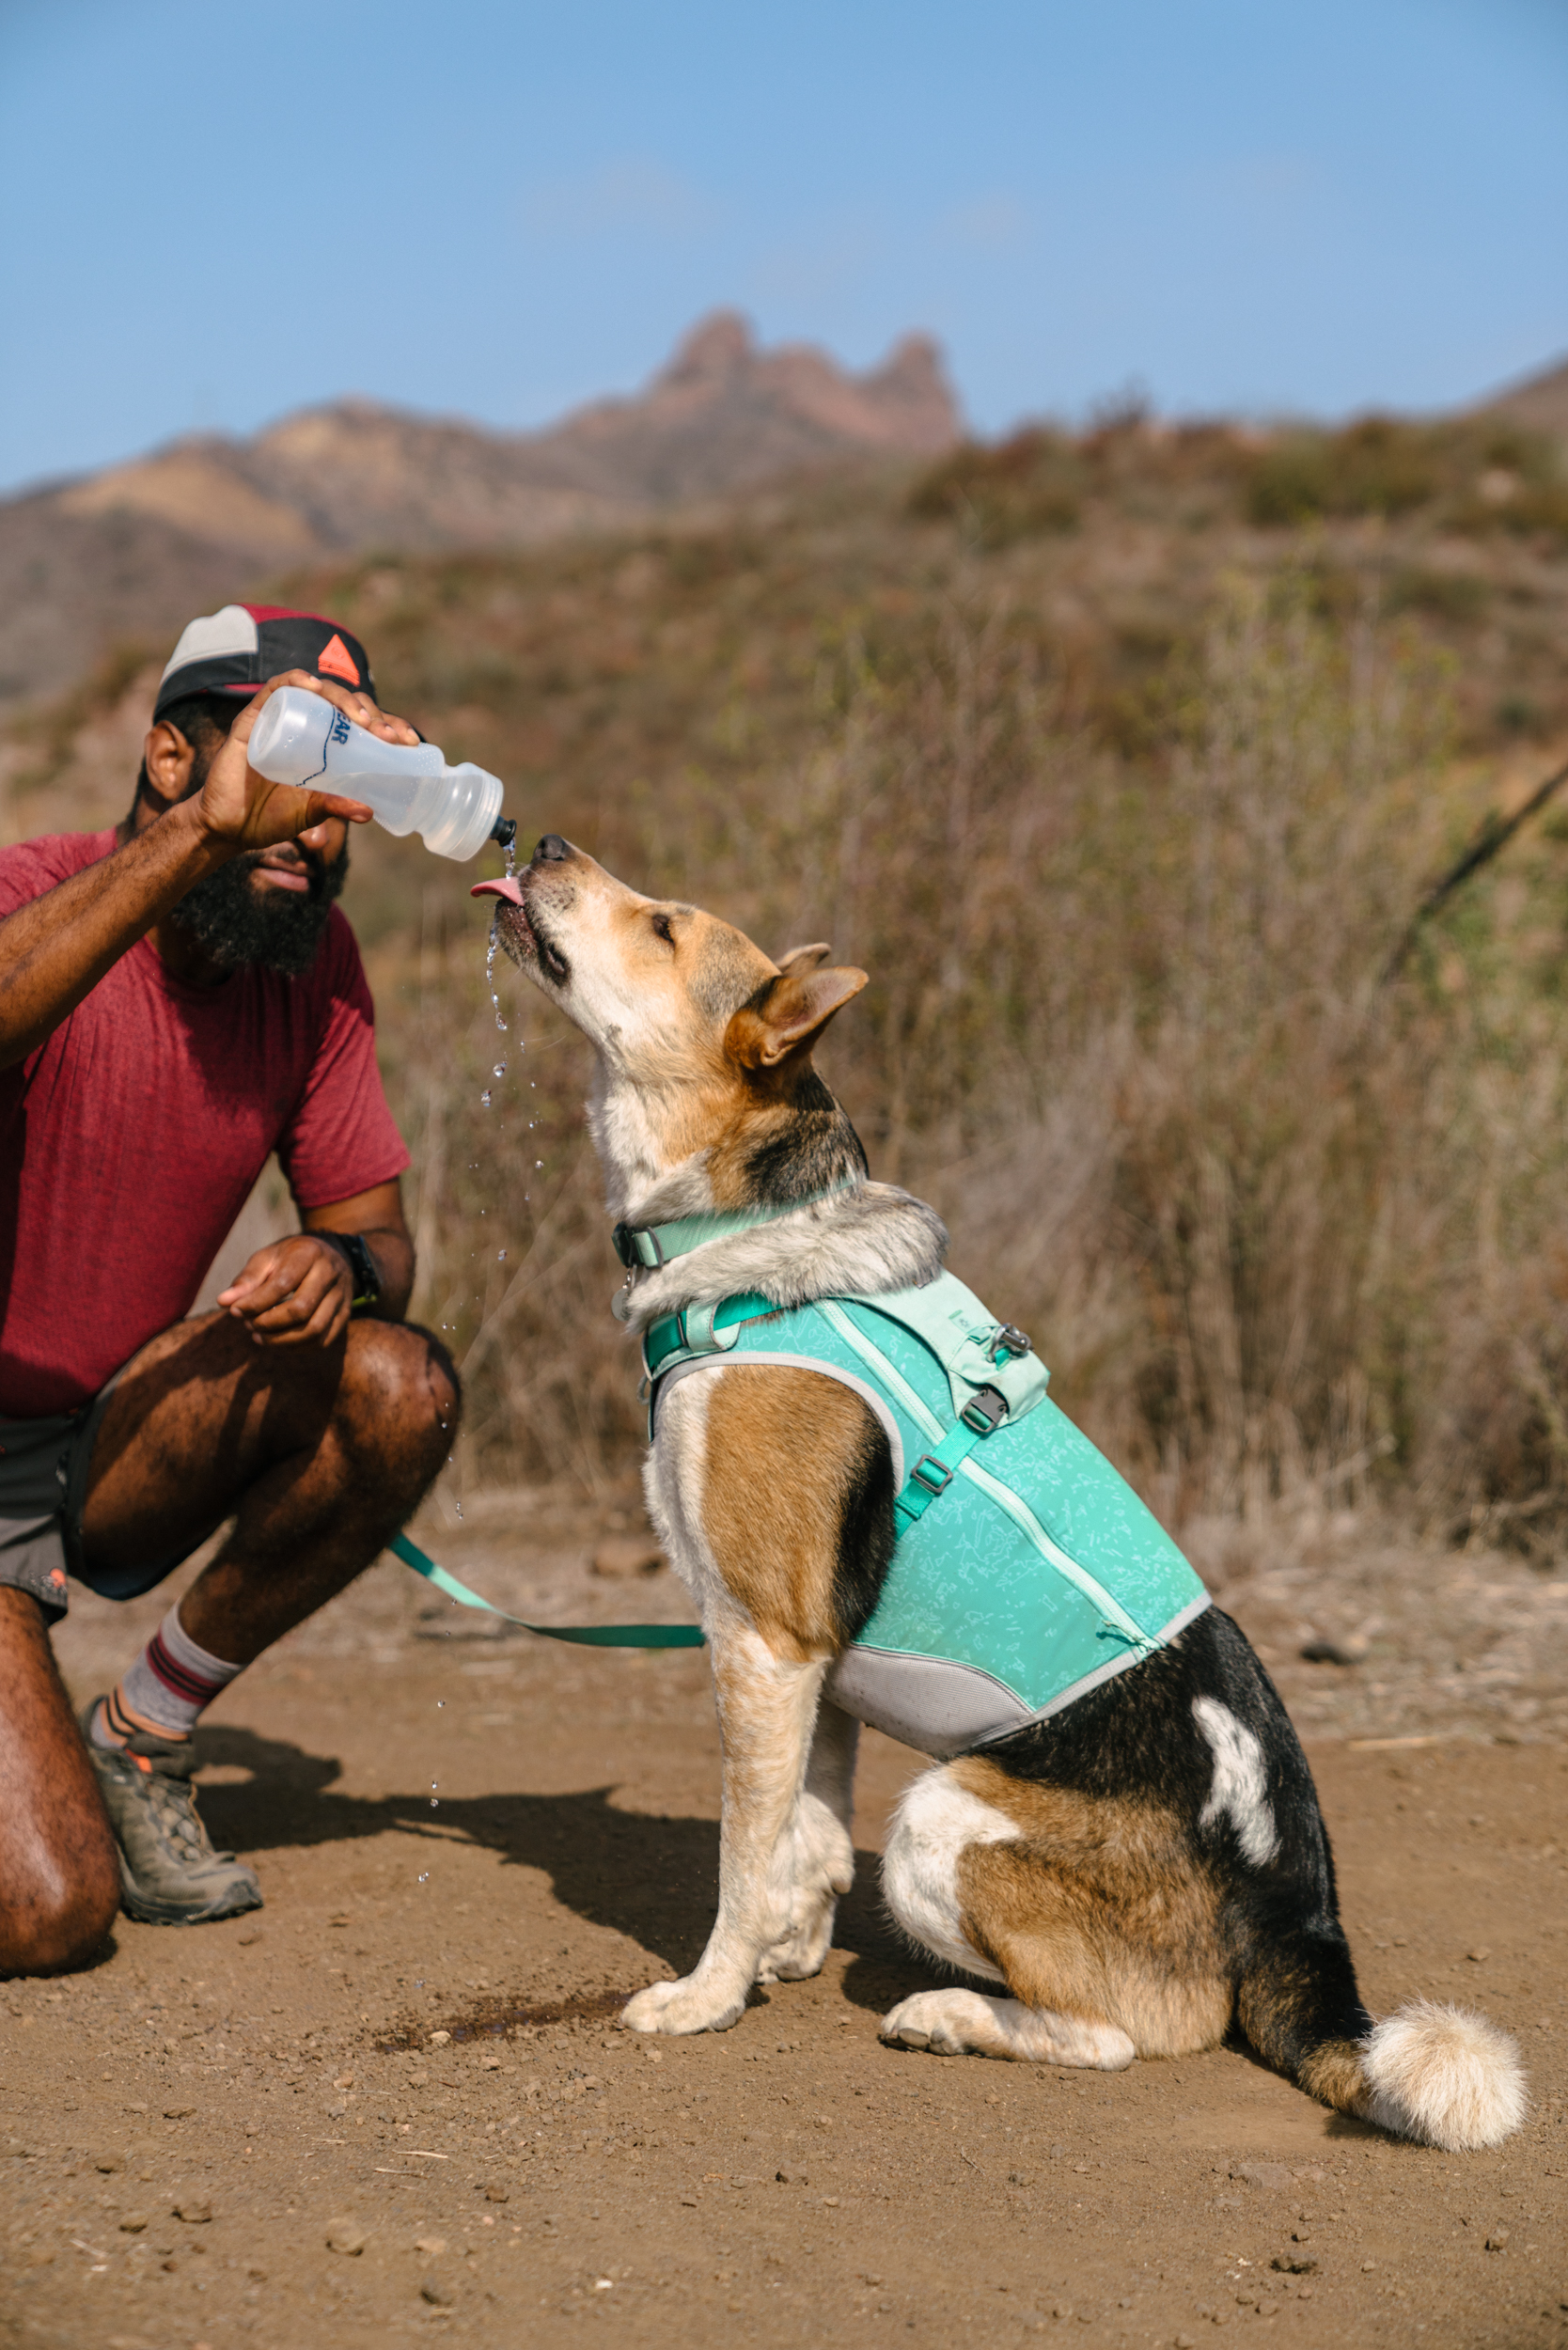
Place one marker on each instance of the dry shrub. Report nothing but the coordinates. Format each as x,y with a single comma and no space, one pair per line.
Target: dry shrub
1270,1219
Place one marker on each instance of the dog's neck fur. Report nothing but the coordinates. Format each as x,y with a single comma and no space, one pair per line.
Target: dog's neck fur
861,1237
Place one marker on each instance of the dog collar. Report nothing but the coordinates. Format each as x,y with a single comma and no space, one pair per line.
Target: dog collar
654,1245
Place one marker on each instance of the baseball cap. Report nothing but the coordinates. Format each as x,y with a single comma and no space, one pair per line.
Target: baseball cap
236,650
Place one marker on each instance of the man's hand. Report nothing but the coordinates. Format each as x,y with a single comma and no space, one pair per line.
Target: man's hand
243,810
296,1293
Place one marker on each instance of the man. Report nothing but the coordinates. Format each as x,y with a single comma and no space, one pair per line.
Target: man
178,998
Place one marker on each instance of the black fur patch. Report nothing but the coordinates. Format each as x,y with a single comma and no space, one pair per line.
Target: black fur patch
866,1533
815,1148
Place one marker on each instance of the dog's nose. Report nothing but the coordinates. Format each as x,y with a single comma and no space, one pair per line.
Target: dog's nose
551,850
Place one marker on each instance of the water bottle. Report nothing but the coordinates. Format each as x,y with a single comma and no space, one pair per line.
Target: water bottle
302,738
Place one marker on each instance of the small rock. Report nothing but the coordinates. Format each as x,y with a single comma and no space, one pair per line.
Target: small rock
1477,1958
253,1935
193,2215
490,2064
109,2162
1261,2173
440,2039
623,1556
433,2245
1186,2341
1367,2267
1292,2265
178,2114
1347,1651
344,2080
133,2223
439,2296
1498,2238
497,2195
345,2236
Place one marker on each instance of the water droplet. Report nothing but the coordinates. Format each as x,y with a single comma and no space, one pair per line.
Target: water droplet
458,1507
439,1704
499,1069
435,1803
484,1099
538,1162
500,1256
424,1879
435,1784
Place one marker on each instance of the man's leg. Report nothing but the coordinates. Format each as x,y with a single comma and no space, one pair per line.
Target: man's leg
320,1455
59,1873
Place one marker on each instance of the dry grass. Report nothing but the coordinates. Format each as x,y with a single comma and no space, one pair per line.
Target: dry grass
1123,818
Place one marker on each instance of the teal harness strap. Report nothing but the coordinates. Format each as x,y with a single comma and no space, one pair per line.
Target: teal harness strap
583,1634
695,1330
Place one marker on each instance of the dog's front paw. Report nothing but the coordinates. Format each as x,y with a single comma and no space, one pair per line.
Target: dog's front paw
681,2006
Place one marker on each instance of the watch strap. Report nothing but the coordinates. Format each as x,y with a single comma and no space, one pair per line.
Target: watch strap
362,1266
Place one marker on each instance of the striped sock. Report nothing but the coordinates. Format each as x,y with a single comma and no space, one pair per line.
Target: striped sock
164,1690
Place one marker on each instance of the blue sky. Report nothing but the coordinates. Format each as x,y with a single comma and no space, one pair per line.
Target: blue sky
213,213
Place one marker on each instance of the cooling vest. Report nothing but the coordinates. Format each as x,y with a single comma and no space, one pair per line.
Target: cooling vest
1025,1570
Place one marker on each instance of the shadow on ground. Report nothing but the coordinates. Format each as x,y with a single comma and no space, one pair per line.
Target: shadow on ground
651,1878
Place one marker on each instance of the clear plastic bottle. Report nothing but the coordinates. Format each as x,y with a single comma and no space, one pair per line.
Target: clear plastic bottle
302,738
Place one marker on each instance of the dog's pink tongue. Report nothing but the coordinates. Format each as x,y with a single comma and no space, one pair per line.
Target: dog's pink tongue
506,887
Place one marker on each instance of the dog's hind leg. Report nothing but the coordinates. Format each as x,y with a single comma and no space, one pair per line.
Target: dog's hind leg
823,1850
940,1829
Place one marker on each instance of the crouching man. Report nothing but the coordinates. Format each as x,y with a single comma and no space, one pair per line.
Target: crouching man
178,998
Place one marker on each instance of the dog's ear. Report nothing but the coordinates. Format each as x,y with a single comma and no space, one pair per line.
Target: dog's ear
788,1014
802,959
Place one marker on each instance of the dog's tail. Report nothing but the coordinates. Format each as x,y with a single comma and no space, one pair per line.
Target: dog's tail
1443,2075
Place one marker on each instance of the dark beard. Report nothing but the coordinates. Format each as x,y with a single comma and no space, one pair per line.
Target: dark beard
280,930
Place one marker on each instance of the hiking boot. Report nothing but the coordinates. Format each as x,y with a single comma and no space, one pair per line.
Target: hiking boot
169,1874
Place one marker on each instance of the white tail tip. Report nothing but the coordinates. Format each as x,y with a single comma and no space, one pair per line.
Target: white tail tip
1444,2076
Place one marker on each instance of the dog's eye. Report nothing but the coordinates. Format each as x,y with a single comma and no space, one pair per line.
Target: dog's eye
662,929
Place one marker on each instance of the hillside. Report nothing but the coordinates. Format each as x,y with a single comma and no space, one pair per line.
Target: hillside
1120,761
134,550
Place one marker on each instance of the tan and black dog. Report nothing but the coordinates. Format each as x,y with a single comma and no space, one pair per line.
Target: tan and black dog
1136,1872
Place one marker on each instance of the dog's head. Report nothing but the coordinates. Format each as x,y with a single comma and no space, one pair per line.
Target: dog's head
687,1015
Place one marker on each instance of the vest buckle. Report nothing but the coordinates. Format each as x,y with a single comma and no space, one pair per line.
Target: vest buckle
939,1477
985,1411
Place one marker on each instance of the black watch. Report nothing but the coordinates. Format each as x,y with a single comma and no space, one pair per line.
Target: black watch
367,1280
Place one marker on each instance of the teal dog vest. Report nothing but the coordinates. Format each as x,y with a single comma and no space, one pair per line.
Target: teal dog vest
1025,1570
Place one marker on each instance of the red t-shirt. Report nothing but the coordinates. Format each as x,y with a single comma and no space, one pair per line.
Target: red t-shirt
130,1140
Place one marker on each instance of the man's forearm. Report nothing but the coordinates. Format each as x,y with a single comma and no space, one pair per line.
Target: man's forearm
54,951
393,1252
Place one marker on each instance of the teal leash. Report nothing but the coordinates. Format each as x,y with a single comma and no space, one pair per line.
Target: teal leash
583,1634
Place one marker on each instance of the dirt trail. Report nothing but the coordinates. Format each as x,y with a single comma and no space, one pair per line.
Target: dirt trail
253,2133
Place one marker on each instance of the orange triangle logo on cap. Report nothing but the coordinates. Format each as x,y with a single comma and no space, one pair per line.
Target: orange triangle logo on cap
335,660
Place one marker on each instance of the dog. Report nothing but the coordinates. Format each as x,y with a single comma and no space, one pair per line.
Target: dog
1136,1868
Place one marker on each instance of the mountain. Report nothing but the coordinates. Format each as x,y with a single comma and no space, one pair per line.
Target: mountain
1540,403
134,550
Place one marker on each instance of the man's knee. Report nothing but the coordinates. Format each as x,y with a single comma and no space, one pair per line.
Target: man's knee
57,1914
402,1392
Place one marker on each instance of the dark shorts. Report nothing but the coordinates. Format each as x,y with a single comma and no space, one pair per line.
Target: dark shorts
43,1491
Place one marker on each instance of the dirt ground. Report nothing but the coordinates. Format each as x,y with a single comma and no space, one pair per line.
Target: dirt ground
392,2103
